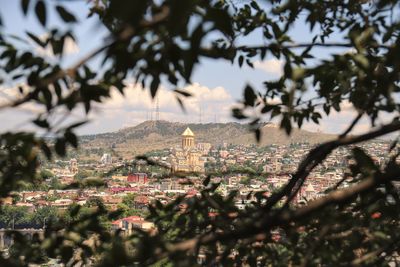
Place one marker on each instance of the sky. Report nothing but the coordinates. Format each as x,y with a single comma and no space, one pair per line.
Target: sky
217,85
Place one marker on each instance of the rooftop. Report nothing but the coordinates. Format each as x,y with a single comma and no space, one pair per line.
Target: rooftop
188,132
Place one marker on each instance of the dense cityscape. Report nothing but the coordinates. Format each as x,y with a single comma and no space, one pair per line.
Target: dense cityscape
131,186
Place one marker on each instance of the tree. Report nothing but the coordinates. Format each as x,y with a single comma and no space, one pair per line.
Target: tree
45,174
12,216
129,200
55,183
82,174
95,202
162,42
44,216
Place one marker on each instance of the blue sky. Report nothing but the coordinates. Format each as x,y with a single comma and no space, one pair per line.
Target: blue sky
216,84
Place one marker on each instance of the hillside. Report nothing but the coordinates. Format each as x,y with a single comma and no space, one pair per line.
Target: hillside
154,135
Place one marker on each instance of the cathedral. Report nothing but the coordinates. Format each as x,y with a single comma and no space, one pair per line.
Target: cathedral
187,158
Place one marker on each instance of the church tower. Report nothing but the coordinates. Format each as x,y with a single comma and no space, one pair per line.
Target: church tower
187,139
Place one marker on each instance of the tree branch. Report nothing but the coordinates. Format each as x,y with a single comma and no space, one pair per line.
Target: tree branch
275,219
280,219
350,128
127,33
305,45
319,154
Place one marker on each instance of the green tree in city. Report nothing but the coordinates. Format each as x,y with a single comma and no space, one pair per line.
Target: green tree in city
127,206
12,216
162,42
43,216
95,202
55,183
82,174
45,174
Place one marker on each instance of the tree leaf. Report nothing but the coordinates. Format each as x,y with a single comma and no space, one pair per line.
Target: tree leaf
154,86
238,114
40,10
60,147
41,123
241,58
182,92
249,96
65,14
286,124
71,138
258,134
206,181
36,39
25,6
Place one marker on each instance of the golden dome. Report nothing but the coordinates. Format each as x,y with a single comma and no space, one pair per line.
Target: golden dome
188,132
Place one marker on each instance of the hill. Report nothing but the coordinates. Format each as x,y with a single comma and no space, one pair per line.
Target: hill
155,135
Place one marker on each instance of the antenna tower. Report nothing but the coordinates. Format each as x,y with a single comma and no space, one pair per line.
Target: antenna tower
157,110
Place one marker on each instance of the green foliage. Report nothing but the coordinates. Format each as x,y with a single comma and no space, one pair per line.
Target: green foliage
82,174
157,42
12,215
95,202
44,216
45,174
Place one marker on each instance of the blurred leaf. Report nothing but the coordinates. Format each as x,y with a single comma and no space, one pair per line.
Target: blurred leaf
65,14
36,39
207,180
222,20
46,150
180,102
154,86
258,135
71,138
40,10
77,124
41,123
182,92
364,161
25,6
238,114
249,96
60,147
286,124
241,58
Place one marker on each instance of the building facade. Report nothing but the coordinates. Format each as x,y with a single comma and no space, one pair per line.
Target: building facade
73,166
140,178
187,157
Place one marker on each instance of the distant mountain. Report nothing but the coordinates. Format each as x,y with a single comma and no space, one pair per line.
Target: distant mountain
154,135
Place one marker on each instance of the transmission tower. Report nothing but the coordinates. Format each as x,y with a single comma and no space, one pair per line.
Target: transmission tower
157,110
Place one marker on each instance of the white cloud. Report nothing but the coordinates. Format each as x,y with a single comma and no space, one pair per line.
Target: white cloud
70,47
338,122
136,105
270,66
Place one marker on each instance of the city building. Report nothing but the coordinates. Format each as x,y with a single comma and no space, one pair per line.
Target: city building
73,166
106,159
140,178
129,224
187,157
204,148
